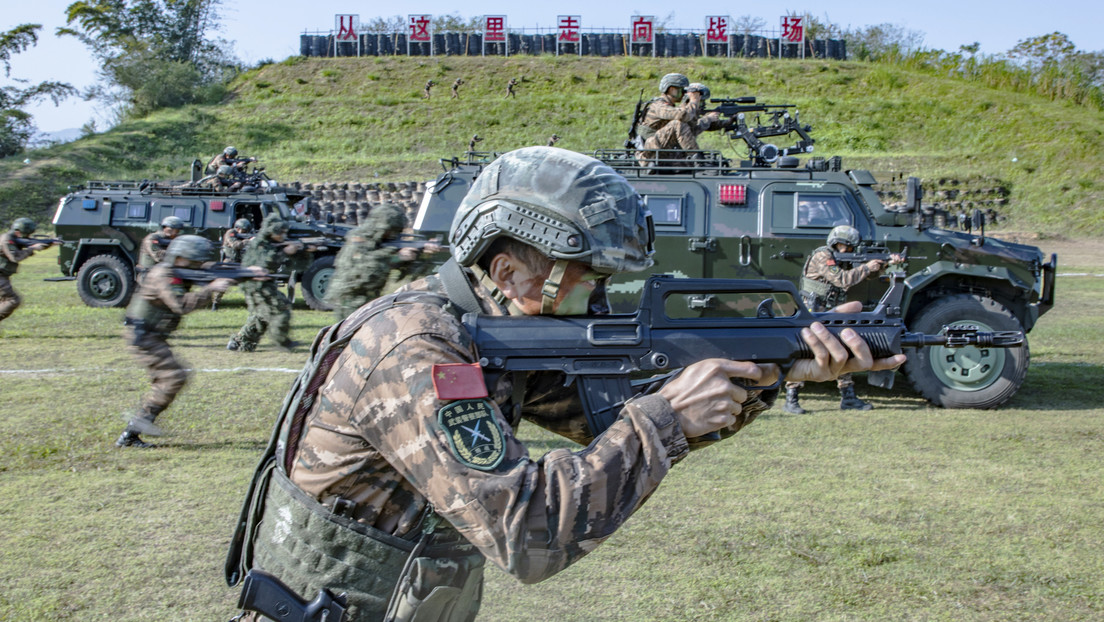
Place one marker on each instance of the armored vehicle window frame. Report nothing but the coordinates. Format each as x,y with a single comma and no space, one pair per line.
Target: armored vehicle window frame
836,206
137,211
666,202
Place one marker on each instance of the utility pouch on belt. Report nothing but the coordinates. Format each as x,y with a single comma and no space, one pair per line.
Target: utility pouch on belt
438,589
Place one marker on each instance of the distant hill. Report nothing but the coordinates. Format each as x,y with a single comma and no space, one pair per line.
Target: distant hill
44,139
365,119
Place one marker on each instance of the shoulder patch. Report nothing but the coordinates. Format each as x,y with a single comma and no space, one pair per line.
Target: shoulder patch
473,432
177,281
459,381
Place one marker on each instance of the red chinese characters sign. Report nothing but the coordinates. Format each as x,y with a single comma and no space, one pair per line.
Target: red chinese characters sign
418,28
793,29
716,29
494,28
569,26
347,27
643,29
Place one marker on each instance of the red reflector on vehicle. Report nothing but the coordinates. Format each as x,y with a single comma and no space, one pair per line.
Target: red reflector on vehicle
733,194
218,206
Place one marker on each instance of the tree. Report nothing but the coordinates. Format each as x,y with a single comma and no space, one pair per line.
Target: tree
1035,52
153,53
875,42
16,126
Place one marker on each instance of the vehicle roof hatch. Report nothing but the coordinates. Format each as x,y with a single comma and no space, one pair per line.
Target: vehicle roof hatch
862,178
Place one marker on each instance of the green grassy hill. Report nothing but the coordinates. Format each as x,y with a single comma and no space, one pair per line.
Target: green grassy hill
365,120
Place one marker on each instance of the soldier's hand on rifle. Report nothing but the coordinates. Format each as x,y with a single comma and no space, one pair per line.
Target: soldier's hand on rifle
293,248
262,274
833,357
896,258
705,398
39,246
875,264
220,285
432,247
408,254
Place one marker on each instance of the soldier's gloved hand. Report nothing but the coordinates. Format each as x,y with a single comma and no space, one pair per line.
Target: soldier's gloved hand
705,398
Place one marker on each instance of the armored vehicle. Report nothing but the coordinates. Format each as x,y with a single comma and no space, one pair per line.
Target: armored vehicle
102,224
763,216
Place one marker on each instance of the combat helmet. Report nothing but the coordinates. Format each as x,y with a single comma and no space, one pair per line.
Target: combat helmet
26,226
273,226
845,234
225,170
230,152
190,247
172,222
243,224
673,79
566,205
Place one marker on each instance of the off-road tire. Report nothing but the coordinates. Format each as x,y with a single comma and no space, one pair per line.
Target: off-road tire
966,377
105,281
315,282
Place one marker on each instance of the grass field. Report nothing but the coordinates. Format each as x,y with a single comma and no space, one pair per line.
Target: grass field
907,512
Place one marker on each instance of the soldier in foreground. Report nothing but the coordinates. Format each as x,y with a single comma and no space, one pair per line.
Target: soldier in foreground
363,264
152,250
671,122
153,314
397,467
824,285
11,253
269,309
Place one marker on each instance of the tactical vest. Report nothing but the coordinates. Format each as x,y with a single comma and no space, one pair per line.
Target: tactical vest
151,318
285,531
819,295
643,131
146,261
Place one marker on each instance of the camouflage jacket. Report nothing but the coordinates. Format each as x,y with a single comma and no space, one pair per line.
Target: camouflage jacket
263,252
362,262
11,255
388,433
660,111
152,250
827,281
233,247
163,298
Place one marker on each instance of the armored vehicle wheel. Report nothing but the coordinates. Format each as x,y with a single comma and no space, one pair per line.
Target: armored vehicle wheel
315,282
966,377
105,281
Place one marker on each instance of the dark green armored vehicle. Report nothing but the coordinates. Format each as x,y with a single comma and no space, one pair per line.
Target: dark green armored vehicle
103,223
762,217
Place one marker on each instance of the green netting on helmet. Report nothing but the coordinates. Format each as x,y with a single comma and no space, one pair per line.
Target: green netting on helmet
564,204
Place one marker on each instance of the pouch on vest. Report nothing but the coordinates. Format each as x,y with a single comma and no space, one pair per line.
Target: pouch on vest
439,589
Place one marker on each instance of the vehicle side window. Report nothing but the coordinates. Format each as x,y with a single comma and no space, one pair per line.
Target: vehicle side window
820,211
667,211
183,213
136,211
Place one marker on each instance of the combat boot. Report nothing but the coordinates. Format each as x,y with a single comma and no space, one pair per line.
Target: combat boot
791,406
848,401
131,439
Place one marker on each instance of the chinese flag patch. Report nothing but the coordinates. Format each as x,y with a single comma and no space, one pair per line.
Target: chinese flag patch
459,381
830,262
177,281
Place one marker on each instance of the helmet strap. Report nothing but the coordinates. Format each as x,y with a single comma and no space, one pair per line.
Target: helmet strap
552,286
486,281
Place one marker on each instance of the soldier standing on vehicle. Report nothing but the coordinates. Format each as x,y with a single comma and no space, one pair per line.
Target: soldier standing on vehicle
456,88
363,264
233,246
824,285
152,249
510,88
11,254
392,449
269,309
428,85
228,157
153,314
669,124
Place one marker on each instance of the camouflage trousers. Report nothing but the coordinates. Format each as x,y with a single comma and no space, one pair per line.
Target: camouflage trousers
842,382
673,136
9,300
165,370
269,310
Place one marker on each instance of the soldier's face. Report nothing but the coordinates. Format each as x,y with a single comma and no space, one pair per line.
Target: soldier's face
582,291
171,233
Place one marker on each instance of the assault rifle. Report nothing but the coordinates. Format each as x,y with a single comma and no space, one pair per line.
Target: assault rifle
222,270
409,240
267,595
682,321
319,242
864,254
779,123
25,242
630,142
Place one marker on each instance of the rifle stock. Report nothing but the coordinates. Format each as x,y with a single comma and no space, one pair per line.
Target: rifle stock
683,321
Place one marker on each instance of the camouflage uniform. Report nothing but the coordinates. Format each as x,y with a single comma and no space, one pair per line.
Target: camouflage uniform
268,308
456,88
233,247
667,126
428,85
151,252
362,266
10,256
510,88
372,448
153,314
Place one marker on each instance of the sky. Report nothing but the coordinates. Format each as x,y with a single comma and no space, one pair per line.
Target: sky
271,29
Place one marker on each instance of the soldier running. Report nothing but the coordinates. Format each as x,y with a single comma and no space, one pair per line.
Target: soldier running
11,253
